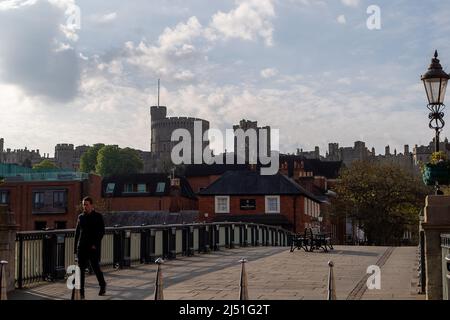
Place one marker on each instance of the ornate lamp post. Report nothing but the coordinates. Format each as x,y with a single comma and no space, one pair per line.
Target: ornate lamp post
435,81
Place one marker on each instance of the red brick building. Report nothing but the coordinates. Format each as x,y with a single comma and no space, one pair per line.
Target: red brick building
41,201
248,196
147,192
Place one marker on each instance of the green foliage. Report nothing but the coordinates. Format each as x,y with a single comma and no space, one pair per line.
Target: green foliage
88,160
111,160
437,157
45,164
384,198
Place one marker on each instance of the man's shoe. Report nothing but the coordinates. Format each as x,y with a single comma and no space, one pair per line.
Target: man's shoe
102,291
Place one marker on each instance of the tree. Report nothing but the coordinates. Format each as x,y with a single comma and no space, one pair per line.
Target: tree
45,164
112,160
383,197
88,160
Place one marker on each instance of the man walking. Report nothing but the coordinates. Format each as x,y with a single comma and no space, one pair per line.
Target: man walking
88,239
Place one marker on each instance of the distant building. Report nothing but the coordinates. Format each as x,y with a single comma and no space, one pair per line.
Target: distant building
47,199
349,154
162,128
68,157
309,154
245,126
422,154
20,157
271,200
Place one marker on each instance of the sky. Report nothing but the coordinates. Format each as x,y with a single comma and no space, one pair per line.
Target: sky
86,71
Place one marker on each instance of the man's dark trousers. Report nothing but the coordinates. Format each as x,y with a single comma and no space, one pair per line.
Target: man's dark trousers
91,257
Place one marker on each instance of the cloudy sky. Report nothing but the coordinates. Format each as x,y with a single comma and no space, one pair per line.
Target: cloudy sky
311,68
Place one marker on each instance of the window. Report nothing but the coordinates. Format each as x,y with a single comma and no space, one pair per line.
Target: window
110,188
38,200
272,204
128,188
4,197
160,187
60,225
59,199
142,188
40,225
222,204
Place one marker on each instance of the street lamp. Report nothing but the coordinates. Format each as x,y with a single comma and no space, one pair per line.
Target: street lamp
435,81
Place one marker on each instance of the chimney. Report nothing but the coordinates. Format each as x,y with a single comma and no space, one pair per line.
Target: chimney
174,195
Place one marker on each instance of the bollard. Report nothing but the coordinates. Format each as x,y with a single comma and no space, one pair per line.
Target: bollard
159,281
3,283
331,295
76,295
243,293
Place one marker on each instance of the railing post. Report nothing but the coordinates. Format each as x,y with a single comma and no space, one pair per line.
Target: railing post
152,245
118,248
191,241
49,257
127,248
207,239
232,236
172,243
60,267
144,246
20,262
3,281
253,235
216,238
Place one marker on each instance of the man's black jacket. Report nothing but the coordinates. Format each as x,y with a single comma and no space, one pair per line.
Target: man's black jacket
90,231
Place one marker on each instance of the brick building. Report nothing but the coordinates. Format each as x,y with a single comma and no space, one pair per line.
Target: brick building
248,196
48,200
147,192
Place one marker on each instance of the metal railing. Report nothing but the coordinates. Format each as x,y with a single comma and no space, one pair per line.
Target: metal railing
46,255
445,245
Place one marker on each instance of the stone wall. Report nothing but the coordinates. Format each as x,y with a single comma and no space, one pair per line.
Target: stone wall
7,244
436,222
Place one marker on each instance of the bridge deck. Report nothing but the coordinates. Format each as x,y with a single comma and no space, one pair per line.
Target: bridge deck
273,273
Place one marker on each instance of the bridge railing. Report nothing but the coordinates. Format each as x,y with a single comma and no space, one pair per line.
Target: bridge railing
46,255
445,245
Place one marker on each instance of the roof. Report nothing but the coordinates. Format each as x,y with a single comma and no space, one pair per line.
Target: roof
151,180
266,219
139,218
253,183
327,169
200,170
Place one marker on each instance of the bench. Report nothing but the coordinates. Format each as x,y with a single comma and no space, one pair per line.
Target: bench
300,241
319,240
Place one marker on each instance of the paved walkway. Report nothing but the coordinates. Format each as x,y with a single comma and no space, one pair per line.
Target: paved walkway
273,273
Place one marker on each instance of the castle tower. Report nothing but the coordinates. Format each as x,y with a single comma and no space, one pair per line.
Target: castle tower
64,156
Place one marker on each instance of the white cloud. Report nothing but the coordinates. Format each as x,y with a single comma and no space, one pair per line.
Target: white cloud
341,19
345,81
350,3
249,21
183,33
269,73
104,18
37,53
